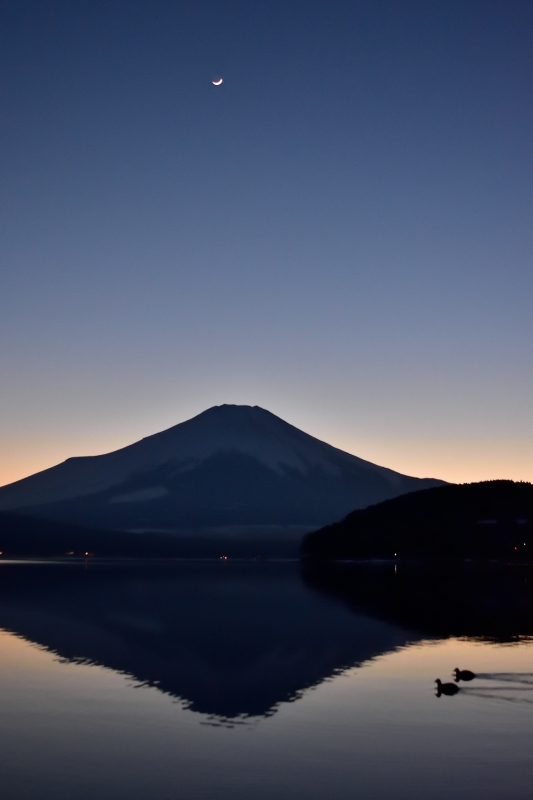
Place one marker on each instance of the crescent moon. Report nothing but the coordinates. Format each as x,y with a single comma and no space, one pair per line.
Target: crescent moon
217,83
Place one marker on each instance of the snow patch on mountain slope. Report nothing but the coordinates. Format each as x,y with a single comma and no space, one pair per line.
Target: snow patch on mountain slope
150,493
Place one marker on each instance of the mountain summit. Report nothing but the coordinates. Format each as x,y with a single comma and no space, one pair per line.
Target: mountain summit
229,467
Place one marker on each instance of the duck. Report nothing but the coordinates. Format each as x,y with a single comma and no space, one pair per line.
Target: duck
446,688
463,675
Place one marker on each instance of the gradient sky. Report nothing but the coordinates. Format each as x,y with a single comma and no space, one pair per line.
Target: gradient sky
340,233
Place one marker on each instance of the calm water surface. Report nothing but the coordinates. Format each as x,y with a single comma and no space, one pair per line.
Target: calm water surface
253,681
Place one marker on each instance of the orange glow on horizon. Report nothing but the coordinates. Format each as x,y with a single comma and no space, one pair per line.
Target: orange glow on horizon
455,460
20,458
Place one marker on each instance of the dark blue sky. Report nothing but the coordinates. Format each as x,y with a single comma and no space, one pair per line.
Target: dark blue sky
341,232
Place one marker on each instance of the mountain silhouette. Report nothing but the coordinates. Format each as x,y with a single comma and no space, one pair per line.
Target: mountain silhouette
229,470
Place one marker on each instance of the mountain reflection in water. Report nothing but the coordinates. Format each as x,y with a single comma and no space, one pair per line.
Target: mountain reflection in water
229,640
490,601
234,640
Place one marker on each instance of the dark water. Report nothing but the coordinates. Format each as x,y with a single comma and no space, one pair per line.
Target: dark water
258,680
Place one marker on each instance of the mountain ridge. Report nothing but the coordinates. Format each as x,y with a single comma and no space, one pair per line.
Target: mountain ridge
229,465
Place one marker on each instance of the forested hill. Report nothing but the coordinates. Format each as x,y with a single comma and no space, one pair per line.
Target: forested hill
492,519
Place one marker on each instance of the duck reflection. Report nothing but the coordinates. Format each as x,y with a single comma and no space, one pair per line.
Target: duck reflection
463,675
448,689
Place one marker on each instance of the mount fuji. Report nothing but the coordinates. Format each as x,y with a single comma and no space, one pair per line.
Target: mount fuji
232,470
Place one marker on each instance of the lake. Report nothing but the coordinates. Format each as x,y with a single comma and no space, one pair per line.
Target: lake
264,680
